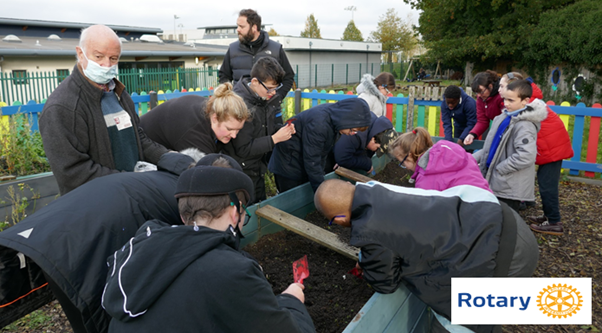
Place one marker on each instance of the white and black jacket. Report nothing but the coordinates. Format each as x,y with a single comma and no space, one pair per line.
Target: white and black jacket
187,279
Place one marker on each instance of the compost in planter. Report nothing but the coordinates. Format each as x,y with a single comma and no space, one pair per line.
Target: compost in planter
332,295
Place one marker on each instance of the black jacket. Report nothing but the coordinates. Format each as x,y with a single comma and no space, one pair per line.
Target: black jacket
71,238
176,279
75,136
350,150
240,58
254,141
423,238
304,155
181,123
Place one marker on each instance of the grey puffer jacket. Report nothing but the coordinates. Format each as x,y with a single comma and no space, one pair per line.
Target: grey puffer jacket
369,92
511,174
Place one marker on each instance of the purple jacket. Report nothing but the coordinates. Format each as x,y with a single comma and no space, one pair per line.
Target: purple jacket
445,165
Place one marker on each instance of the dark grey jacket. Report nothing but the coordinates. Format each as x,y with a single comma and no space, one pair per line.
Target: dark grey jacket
75,136
240,58
440,235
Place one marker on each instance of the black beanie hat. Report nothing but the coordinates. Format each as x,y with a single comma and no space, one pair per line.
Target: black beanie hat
205,179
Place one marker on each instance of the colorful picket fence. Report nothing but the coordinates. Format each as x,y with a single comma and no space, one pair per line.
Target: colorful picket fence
581,121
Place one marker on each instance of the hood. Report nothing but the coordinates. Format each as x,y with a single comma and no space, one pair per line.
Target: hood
350,113
536,112
537,94
443,157
250,97
147,265
367,86
382,127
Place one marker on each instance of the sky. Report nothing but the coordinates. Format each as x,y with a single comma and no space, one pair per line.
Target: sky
287,18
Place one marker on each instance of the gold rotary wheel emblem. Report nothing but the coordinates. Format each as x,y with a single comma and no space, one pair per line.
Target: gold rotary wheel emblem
559,301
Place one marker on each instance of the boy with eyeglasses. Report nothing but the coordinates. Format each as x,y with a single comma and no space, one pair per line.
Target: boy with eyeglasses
256,140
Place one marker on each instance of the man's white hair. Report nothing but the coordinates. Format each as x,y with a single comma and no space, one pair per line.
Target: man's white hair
83,38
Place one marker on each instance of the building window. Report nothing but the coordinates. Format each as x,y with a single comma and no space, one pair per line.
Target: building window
19,76
62,74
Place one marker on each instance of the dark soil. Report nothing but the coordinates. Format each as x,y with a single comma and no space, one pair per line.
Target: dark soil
578,253
332,295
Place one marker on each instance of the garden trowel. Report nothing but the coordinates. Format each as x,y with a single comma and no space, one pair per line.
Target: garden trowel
300,270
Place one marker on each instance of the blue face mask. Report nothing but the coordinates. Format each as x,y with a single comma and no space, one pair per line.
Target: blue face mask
99,74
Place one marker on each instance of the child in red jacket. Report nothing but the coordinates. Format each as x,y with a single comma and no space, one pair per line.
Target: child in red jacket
553,146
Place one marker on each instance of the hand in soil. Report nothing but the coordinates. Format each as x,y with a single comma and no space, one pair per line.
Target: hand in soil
296,289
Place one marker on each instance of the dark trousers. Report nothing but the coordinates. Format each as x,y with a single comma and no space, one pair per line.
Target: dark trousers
71,311
259,183
514,204
548,177
284,184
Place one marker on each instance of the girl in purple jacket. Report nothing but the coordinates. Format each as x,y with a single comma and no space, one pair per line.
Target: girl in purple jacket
436,167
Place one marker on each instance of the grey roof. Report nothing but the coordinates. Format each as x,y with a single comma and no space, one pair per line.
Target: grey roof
56,24
36,46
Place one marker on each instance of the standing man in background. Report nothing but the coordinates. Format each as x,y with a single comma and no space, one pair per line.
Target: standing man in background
89,124
253,44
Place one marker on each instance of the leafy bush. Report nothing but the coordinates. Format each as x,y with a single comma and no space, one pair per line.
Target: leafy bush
22,152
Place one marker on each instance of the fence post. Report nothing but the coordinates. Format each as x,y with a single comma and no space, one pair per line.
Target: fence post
316,76
410,121
332,76
297,101
153,99
346,74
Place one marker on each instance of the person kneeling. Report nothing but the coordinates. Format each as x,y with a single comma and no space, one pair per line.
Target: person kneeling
423,238
194,278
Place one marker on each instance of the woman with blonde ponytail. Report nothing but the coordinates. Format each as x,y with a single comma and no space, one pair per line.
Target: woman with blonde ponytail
436,167
192,121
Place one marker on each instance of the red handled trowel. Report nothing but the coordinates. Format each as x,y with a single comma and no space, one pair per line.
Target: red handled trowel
300,270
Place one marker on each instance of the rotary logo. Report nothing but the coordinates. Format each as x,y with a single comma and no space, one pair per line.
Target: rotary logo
559,301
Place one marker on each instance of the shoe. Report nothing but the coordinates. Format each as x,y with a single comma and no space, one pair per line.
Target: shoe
546,227
537,219
526,204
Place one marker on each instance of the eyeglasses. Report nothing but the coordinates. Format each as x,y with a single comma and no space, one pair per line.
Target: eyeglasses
404,159
247,215
384,86
334,217
270,90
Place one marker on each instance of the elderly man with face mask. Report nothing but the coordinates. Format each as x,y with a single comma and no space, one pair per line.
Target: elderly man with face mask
89,125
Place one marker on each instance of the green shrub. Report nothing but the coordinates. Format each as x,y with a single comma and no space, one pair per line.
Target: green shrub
22,151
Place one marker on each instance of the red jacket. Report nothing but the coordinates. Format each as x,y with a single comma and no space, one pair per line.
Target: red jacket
486,111
553,142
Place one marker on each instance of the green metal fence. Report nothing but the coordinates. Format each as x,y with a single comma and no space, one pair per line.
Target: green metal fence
326,75
26,86
37,86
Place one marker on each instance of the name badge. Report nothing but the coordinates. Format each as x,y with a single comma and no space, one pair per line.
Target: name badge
122,121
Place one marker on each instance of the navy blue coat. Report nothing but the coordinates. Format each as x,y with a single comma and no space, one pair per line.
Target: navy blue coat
464,116
351,152
304,155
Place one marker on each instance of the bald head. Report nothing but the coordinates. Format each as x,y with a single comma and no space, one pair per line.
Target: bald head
334,197
97,32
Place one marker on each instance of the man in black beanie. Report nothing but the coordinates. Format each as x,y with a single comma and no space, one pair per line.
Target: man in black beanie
194,278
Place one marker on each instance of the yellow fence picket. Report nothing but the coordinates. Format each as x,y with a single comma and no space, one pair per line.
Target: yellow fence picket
565,117
3,119
306,101
432,126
